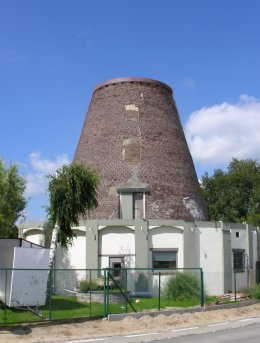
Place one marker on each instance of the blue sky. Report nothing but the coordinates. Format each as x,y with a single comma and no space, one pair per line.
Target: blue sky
53,53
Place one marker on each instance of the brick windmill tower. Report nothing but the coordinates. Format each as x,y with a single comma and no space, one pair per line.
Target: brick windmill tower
133,138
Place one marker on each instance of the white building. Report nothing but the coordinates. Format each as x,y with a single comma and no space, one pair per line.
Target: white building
220,249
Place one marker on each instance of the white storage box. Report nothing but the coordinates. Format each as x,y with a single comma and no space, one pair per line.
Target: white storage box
23,273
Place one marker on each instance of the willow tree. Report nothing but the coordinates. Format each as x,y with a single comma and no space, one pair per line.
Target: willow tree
72,195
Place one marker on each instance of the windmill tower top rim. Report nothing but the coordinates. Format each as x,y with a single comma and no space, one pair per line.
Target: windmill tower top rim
132,80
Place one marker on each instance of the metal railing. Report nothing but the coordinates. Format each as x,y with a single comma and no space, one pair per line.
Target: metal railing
29,295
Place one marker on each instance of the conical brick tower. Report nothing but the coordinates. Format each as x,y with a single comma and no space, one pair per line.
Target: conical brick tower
133,138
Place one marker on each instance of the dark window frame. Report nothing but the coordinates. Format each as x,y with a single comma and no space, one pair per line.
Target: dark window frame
116,271
238,260
164,264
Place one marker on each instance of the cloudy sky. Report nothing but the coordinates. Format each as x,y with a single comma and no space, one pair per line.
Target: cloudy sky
54,52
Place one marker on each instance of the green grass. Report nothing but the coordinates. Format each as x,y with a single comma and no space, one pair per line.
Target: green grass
146,304
69,307
61,308
210,299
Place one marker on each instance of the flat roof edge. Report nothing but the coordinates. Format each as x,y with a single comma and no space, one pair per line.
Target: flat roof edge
132,80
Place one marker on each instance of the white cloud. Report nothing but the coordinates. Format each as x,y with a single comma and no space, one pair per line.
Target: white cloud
40,168
218,133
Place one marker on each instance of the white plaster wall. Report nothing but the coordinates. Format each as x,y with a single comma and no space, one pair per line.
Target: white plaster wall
71,261
75,256
116,241
240,243
254,247
165,237
252,271
211,259
35,236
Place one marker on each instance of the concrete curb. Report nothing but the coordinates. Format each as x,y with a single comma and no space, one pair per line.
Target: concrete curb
233,305
116,317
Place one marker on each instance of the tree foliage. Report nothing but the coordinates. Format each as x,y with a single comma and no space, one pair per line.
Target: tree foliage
72,193
12,201
234,195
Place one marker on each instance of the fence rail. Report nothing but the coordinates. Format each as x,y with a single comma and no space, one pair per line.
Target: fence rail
29,295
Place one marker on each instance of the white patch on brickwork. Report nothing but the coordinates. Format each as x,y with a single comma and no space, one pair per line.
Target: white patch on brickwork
132,107
193,208
142,96
112,191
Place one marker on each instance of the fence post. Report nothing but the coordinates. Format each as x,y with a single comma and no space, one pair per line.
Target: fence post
235,285
5,319
159,300
90,294
201,288
49,291
105,293
126,270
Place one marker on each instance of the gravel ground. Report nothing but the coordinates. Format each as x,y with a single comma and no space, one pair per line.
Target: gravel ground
97,328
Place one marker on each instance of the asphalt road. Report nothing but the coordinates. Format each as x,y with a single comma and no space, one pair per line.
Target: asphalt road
250,334
243,330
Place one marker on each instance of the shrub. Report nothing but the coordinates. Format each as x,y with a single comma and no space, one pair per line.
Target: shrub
251,292
182,286
86,286
256,292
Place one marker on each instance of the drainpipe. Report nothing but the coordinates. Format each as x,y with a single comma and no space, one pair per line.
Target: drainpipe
222,248
144,205
247,253
258,243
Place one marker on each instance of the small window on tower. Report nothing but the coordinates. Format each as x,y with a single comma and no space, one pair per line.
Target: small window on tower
138,205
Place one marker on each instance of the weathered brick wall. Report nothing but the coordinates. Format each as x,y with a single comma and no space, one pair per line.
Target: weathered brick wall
132,131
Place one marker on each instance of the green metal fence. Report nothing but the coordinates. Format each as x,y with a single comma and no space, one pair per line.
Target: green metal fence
31,295
135,290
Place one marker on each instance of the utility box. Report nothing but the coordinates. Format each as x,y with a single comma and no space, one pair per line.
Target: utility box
23,273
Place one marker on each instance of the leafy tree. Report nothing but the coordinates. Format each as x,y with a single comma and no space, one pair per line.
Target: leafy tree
234,195
12,201
72,193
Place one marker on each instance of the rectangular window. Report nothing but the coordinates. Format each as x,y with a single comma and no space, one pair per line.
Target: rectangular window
164,259
138,205
116,264
238,260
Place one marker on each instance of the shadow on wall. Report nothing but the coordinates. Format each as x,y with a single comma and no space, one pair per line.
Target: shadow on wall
141,284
